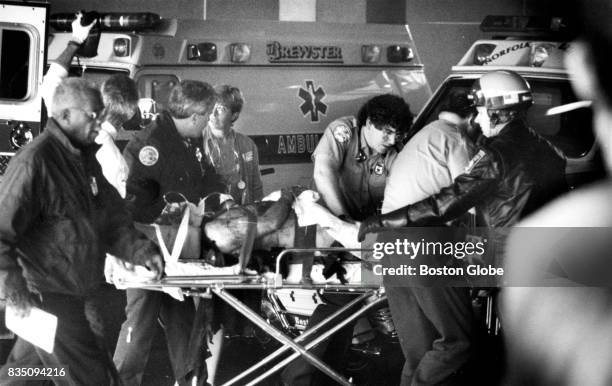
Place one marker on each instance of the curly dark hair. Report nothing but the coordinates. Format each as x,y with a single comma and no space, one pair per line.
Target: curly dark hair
385,110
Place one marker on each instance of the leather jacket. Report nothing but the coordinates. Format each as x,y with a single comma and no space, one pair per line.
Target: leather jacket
512,174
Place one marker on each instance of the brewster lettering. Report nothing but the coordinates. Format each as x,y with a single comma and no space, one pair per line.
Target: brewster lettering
303,53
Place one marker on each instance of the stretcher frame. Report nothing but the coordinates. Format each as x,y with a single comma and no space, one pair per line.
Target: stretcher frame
203,286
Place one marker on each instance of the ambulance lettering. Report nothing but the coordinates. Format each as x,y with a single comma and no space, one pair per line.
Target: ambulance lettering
497,55
277,53
297,144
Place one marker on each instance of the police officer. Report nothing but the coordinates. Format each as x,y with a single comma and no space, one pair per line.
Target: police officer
353,158
166,158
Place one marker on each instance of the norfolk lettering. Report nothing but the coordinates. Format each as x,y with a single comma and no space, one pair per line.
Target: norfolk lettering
497,55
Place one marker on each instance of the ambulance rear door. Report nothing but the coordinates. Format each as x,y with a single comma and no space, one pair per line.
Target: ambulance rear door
23,34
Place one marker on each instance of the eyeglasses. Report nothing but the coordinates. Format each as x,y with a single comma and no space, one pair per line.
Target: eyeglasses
92,116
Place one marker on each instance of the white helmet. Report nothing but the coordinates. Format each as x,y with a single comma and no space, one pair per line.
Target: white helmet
499,90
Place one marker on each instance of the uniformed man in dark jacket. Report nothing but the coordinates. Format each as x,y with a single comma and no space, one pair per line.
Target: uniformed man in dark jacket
166,161
59,218
514,172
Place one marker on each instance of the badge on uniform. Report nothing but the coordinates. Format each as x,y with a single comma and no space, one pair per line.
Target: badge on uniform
342,133
198,154
379,168
93,184
148,156
474,161
248,156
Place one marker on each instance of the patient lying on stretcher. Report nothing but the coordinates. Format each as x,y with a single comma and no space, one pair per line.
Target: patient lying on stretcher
226,229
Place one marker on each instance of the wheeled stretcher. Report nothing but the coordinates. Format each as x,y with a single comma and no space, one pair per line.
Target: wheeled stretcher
369,295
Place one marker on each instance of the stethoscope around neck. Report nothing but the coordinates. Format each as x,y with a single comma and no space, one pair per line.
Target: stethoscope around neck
237,155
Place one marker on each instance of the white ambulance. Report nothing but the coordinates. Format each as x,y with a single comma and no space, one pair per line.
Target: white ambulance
296,77
535,48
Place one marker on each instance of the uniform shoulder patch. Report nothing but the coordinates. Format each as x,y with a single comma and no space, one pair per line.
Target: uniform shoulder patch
342,133
148,156
248,156
474,161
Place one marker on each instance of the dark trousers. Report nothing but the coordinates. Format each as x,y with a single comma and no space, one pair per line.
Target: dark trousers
333,351
79,345
187,352
435,328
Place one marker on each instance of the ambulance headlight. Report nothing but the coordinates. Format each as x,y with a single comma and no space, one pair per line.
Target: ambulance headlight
239,52
482,53
370,53
539,54
121,47
399,54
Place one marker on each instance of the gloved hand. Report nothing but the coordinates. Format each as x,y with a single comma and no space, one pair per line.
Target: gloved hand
395,219
80,32
18,294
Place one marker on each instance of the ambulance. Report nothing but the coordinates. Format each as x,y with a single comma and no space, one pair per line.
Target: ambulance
533,47
296,77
